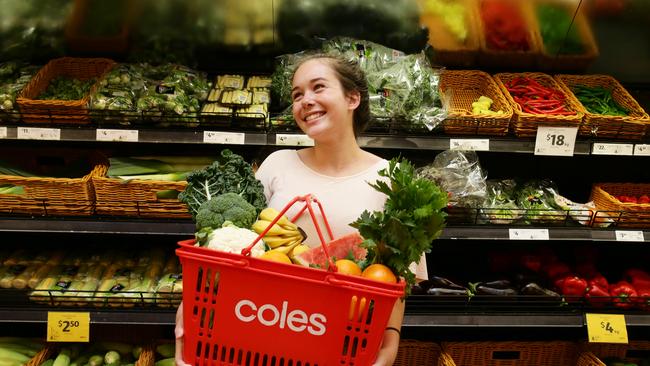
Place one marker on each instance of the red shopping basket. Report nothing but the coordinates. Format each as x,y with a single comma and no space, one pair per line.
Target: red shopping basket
239,310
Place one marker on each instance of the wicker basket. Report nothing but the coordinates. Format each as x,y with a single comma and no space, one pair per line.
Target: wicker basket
42,356
147,357
568,62
459,89
630,127
634,214
525,124
45,196
449,50
136,198
60,111
417,353
501,59
77,41
623,351
554,353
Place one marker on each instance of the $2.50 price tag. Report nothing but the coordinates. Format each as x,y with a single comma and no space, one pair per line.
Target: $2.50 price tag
555,141
68,327
606,328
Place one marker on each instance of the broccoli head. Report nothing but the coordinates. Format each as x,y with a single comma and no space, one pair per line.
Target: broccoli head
226,207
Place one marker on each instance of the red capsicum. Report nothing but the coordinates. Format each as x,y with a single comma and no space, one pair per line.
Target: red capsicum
638,277
531,262
623,293
557,269
599,281
574,287
597,296
643,297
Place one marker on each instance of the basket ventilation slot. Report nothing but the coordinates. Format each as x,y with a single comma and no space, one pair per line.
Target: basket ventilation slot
223,355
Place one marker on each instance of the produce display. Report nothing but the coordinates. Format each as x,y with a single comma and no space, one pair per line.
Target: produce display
16,351
598,100
505,27
555,25
453,14
248,98
95,354
482,106
63,88
535,98
13,78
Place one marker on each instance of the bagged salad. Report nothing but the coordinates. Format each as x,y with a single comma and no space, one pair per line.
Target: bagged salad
13,78
500,206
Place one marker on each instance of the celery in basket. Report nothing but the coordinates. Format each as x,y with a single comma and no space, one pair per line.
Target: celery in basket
162,168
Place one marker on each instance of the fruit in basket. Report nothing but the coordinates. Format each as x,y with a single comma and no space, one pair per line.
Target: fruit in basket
348,246
276,256
283,236
379,272
348,267
269,214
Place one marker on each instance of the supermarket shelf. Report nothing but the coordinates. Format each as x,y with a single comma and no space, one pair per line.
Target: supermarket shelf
167,318
186,227
144,317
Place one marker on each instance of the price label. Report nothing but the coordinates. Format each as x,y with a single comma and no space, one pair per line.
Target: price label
68,327
606,328
117,135
642,150
612,149
528,234
213,137
32,133
3,132
293,140
555,141
628,235
470,144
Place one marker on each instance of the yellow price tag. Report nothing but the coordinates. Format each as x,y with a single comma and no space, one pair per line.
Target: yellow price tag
606,328
68,327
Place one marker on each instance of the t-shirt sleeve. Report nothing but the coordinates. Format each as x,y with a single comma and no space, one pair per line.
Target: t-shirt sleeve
267,171
420,269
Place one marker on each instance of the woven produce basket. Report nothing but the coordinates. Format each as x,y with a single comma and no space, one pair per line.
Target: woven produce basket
459,89
79,42
634,351
501,59
146,356
629,127
633,214
449,49
136,198
60,111
553,353
42,356
417,353
568,62
45,196
525,124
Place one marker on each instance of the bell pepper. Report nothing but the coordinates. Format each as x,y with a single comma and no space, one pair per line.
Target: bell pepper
531,262
643,297
557,269
574,287
623,293
597,296
598,280
637,277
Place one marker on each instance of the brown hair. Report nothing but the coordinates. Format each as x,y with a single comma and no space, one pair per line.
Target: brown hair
352,79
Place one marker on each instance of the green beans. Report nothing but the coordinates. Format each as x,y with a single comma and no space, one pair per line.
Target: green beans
598,100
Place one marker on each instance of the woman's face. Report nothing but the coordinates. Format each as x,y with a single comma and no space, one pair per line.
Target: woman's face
320,106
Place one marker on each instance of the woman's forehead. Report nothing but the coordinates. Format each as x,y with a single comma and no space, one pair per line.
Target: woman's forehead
312,69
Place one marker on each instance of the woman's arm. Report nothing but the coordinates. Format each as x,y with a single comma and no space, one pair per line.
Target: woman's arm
179,334
388,351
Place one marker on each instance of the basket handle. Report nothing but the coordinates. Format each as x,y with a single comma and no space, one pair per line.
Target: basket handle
307,199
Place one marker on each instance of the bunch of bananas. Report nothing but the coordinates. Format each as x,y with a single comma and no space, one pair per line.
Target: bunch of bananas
284,236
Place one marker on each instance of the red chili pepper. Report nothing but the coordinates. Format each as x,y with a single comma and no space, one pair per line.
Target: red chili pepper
623,294
597,296
574,288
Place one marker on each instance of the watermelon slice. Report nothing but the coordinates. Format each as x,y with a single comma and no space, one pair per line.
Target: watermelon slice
347,246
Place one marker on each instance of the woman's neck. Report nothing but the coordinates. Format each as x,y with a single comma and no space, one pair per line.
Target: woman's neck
337,158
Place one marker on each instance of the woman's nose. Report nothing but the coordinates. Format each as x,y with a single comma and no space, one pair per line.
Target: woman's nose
308,99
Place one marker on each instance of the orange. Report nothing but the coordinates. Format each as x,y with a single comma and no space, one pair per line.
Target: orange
348,267
379,272
276,257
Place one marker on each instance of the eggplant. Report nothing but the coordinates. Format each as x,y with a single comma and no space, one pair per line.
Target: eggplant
537,290
441,282
481,289
498,284
438,291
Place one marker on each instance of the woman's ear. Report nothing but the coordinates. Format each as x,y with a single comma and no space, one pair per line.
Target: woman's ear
354,99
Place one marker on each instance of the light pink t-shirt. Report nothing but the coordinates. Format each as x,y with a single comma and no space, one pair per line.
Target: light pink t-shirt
284,176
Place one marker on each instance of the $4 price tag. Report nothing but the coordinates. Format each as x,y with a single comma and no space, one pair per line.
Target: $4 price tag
555,141
68,327
606,328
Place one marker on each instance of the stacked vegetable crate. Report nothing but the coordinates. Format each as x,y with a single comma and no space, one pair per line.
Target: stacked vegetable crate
417,353
618,115
459,90
626,214
634,351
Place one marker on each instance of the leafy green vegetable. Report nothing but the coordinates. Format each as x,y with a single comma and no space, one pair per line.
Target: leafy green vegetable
538,199
558,32
63,88
230,173
226,207
411,220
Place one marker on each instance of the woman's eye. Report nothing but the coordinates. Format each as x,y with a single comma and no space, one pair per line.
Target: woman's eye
319,86
296,96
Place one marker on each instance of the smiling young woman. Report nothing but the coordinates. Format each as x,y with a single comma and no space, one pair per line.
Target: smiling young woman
330,105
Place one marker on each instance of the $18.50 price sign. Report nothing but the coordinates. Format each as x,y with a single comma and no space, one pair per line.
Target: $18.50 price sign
68,327
555,141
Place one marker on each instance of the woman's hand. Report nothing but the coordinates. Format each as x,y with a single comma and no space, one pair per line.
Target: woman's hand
390,342
179,333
